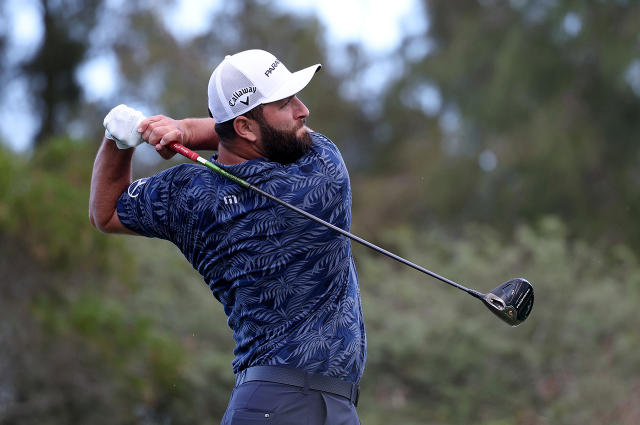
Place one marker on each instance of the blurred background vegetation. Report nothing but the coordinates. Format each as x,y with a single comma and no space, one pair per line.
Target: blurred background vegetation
501,141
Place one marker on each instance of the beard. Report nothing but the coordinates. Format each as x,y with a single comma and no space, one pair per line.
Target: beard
284,146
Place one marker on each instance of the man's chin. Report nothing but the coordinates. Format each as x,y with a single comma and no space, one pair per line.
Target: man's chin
285,147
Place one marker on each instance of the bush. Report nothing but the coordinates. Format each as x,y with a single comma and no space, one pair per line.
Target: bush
438,356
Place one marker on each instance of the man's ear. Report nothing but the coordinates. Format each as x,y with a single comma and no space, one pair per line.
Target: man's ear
246,128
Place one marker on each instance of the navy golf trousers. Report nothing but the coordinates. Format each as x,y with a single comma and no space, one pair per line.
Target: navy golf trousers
268,403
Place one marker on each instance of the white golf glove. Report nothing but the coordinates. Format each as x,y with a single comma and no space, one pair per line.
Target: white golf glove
121,125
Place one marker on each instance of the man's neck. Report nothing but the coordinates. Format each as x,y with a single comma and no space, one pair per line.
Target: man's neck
236,152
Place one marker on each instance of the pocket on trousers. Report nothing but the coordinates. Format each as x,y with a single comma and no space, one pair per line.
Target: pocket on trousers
250,417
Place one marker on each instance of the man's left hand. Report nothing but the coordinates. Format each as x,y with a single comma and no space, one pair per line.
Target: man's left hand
121,125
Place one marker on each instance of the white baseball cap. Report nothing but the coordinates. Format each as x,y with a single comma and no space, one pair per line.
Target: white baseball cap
251,78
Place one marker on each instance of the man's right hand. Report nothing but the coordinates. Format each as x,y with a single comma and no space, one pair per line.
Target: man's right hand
194,133
159,131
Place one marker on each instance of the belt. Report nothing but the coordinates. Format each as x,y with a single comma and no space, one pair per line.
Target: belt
302,379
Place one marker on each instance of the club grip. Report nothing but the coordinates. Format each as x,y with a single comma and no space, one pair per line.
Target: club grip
177,147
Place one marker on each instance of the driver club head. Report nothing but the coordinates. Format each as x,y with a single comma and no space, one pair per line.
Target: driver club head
512,301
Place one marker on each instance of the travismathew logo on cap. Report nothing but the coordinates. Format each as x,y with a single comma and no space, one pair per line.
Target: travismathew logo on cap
239,93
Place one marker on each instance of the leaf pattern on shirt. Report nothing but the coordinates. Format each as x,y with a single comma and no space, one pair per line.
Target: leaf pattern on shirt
287,284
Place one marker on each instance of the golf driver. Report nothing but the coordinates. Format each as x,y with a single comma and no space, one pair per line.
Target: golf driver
511,301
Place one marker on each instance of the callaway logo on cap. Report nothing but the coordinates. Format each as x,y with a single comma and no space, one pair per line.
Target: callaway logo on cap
251,78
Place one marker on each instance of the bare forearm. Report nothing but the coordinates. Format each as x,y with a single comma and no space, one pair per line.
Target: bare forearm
110,178
202,134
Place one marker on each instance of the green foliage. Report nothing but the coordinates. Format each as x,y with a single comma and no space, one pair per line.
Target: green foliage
436,356
80,333
110,330
554,106
51,70
139,338
44,203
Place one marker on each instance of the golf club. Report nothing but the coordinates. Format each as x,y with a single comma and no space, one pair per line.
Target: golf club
511,301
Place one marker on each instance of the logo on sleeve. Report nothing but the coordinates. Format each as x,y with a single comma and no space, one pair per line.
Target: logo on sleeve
135,187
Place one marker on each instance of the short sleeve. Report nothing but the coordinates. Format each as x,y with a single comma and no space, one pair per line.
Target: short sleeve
147,204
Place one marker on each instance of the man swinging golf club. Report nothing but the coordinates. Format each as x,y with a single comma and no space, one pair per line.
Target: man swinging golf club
287,284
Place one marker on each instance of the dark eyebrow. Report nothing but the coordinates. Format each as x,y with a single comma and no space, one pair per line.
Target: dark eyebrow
287,100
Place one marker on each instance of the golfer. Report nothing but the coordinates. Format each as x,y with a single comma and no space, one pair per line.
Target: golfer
287,284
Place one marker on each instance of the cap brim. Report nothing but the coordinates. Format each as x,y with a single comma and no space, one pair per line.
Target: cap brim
296,83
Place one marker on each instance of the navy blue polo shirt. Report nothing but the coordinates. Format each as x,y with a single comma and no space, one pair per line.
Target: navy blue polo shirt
287,284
